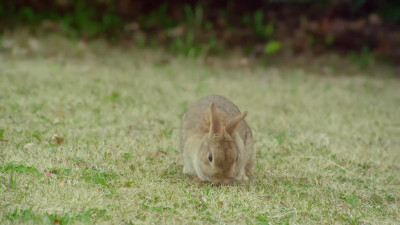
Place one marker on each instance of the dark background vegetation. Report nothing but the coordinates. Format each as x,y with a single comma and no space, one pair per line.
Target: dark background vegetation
192,28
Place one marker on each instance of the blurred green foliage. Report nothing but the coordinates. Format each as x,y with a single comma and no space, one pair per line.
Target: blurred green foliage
272,47
79,19
189,28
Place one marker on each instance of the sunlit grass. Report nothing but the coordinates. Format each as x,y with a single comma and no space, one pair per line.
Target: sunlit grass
327,146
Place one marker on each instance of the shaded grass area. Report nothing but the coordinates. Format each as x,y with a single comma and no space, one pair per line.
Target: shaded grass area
327,146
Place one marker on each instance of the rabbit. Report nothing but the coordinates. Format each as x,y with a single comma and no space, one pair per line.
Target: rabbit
216,143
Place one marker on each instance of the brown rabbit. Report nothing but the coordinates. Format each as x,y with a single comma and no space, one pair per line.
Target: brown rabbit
216,142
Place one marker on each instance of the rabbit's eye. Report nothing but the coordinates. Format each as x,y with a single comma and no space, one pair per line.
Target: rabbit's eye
210,157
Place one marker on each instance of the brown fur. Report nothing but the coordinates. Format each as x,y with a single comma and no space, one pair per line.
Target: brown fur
214,126
223,158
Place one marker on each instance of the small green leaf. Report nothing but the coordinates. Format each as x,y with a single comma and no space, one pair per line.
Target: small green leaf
167,133
350,199
261,219
37,135
150,159
159,208
144,206
280,137
1,133
128,184
127,155
272,47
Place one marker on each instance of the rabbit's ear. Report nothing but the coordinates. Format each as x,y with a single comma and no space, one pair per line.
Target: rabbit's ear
234,123
215,126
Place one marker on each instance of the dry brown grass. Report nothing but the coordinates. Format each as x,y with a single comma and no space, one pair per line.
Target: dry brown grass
327,146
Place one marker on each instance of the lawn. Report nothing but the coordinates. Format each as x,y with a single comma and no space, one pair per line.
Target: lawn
89,134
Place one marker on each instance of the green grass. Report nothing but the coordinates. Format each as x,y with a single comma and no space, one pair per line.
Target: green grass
327,146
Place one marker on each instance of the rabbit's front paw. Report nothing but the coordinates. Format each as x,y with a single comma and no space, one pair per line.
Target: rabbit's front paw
242,177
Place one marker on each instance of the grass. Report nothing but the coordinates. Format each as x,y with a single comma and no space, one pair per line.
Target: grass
90,136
